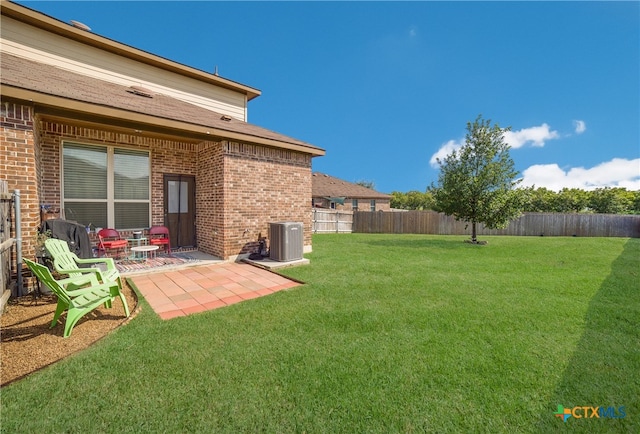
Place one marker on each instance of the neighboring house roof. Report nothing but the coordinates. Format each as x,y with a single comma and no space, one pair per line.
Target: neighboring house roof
326,186
55,87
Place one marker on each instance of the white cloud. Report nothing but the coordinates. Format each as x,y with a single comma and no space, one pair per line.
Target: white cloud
534,135
580,127
445,149
618,172
516,139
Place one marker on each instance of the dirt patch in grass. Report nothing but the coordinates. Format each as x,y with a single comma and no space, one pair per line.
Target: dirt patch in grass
28,344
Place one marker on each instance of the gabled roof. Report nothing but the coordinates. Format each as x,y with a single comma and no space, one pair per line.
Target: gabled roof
50,24
53,88
327,186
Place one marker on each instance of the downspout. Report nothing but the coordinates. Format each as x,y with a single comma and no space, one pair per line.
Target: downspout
179,206
16,204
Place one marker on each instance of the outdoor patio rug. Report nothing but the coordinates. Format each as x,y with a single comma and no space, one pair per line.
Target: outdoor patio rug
183,291
157,262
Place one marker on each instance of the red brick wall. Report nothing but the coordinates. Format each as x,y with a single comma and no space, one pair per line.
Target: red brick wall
210,229
240,188
263,185
365,205
167,156
19,166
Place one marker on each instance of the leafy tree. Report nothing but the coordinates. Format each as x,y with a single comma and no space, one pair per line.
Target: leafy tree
630,200
476,183
367,184
571,200
418,200
635,202
540,200
398,200
412,200
610,201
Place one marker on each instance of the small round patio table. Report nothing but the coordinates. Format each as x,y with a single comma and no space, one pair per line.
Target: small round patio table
141,253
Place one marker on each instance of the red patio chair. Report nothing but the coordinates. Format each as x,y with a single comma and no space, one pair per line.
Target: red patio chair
159,236
109,240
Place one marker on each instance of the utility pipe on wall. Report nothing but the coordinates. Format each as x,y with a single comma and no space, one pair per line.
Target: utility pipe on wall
16,206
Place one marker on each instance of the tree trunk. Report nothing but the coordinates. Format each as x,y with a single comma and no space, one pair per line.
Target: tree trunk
474,238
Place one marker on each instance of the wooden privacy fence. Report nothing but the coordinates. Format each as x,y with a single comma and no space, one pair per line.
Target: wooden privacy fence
331,220
531,224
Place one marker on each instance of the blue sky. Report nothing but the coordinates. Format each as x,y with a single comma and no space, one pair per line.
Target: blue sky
386,87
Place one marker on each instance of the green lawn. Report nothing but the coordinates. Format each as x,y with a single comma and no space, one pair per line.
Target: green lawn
391,333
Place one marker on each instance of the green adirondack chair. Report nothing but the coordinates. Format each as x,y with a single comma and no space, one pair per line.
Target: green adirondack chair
67,262
77,295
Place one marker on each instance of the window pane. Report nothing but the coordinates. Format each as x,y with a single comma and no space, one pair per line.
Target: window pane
87,212
85,172
131,215
131,173
178,197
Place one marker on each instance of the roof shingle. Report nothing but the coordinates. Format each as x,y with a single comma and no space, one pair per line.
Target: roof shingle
50,80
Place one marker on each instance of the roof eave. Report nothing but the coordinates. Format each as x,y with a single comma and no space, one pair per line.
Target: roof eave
175,127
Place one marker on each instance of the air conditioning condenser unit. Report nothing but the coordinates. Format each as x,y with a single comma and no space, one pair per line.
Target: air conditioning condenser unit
286,241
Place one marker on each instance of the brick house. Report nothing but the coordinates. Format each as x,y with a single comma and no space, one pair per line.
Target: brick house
334,193
112,136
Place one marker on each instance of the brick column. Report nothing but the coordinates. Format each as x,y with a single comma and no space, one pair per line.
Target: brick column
19,166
